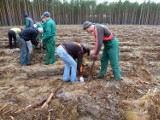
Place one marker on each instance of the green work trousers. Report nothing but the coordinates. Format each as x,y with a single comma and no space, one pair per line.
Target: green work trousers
110,53
50,51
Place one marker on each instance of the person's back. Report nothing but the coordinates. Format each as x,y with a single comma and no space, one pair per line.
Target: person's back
16,30
53,27
29,34
12,33
28,21
73,48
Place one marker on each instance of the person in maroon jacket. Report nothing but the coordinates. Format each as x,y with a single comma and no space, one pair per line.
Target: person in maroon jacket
111,48
68,52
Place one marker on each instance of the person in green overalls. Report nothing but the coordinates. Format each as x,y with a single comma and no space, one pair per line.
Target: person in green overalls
111,48
49,39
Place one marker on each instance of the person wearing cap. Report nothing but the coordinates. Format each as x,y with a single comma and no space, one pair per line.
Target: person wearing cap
68,52
25,35
111,48
12,33
49,38
28,21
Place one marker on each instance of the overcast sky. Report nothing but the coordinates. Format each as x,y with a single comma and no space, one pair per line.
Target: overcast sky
139,1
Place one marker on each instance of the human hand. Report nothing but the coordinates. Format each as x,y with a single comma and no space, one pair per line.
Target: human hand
94,57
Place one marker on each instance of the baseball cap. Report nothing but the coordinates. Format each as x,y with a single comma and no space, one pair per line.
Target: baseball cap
45,14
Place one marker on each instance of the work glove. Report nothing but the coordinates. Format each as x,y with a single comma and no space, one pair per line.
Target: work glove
81,79
94,57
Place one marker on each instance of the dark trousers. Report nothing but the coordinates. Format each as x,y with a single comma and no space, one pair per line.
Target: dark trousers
12,35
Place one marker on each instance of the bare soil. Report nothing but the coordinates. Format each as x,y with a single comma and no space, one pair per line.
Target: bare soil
24,90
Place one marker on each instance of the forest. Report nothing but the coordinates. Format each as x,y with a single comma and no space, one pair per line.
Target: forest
77,11
38,92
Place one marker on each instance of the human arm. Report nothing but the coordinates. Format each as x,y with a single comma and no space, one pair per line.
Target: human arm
34,38
48,29
79,63
98,34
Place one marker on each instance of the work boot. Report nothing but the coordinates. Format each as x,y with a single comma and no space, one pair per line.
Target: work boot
99,77
46,63
121,79
28,64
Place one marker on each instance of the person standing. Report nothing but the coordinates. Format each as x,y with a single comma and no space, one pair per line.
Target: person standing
68,52
12,33
49,38
28,21
111,48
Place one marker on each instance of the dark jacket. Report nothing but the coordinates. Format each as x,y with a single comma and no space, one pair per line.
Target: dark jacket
76,51
29,34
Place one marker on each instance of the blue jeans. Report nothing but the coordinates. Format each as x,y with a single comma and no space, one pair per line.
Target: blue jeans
24,51
70,65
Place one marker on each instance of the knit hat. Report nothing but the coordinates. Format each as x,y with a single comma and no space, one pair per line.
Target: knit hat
26,15
87,24
45,14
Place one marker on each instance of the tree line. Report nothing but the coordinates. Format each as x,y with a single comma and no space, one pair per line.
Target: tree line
78,11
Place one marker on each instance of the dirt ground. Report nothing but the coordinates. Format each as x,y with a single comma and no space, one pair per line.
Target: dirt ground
24,90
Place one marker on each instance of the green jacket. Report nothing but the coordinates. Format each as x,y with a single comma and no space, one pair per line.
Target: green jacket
39,25
29,22
49,30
